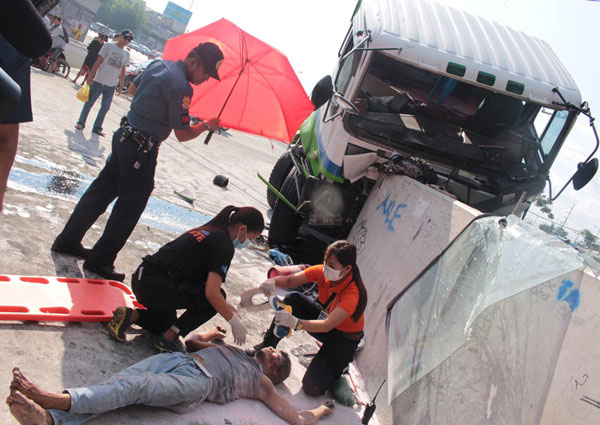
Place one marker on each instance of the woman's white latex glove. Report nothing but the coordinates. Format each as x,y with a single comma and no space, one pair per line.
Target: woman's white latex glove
268,287
283,318
238,329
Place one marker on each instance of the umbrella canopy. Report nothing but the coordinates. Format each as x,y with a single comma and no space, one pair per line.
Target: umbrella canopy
267,98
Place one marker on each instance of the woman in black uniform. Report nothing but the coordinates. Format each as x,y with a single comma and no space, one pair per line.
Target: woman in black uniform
187,274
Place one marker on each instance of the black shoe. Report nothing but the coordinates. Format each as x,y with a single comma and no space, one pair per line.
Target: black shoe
164,346
63,246
107,271
269,340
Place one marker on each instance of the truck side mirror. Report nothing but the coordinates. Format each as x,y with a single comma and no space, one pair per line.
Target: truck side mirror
322,92
585,173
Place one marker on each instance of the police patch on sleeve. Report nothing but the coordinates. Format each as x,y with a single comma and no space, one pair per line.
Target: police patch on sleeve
185,102
185,109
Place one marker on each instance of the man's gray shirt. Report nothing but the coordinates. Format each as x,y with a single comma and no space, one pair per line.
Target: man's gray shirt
234,374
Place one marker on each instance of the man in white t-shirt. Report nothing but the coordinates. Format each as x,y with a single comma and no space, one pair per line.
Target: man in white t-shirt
107,72
59,41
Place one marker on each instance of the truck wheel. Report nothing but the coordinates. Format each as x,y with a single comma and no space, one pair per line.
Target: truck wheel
284,221
280,171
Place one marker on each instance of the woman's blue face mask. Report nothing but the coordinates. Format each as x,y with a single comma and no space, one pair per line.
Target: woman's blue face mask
241,245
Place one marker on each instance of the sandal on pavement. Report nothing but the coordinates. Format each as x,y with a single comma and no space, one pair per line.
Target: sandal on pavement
99,133
79,126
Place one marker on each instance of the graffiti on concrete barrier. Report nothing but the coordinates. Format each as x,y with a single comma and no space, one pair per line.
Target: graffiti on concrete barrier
390,210
583,380
361,237
568,294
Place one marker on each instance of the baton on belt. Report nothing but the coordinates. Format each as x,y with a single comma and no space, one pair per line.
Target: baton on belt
210,133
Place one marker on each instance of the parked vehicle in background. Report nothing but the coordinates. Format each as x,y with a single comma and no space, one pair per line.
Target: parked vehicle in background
99,27
134,45
131,72
482,114
155,54
145,50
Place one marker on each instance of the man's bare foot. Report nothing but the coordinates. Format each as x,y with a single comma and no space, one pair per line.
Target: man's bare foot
25,411
24,385
45,399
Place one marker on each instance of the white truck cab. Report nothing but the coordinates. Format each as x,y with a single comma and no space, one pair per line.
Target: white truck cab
473,107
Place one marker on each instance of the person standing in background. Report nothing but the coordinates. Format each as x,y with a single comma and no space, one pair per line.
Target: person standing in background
60,39
77,31
89,61
108,70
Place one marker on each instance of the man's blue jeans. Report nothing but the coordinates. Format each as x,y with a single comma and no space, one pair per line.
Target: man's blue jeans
163,380
97,89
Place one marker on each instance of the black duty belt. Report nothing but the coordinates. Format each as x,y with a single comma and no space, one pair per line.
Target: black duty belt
145,142
353,336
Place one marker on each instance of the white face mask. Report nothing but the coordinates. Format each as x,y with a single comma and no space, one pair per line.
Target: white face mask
331,274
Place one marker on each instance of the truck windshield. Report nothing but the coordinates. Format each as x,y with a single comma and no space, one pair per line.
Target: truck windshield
447,120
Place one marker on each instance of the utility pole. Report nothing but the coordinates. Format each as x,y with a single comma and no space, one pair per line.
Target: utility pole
565,222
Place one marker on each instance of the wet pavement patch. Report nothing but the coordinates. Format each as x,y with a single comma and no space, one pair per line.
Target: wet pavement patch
67,185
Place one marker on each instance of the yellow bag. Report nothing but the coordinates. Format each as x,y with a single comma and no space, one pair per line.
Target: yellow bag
83,93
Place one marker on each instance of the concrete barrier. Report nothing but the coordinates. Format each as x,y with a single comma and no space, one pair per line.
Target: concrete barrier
403,226
574,394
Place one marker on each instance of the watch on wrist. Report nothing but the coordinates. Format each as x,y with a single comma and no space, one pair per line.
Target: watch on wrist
299,325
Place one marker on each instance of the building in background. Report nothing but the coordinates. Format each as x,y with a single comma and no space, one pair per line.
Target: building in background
77,12
161,27
176,17
157,29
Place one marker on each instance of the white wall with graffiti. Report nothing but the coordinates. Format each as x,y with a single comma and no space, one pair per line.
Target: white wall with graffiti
472,318
403,226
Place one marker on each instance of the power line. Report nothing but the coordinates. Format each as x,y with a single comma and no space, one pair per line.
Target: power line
577,232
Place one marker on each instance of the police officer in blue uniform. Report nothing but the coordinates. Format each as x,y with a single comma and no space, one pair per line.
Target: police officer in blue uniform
161,103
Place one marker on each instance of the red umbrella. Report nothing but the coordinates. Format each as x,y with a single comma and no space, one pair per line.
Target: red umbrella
266,97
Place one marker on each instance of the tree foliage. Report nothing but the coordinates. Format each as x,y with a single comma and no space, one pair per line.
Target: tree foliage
544,205
590,241
554,230
122,14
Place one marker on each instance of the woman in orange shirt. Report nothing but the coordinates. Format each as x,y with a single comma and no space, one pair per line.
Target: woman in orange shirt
336,318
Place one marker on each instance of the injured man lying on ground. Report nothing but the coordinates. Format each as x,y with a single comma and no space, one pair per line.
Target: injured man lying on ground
217,373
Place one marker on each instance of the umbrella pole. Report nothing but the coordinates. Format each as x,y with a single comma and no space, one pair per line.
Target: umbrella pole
210,133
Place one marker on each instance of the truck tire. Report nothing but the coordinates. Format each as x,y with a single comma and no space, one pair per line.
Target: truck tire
279,173
284,221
